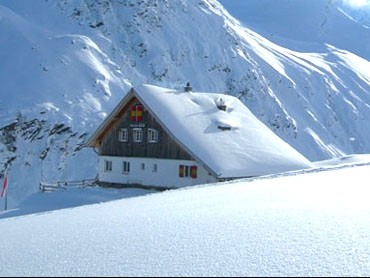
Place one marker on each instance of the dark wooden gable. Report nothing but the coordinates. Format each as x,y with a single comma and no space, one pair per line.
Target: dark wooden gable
134,115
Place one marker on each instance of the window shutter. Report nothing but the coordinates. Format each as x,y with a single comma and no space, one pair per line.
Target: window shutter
194,172
139,113
181,171
133,113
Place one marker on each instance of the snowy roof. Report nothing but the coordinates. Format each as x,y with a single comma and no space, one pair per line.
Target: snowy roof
230,143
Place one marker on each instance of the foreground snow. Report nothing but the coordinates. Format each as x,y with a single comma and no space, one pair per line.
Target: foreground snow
310,224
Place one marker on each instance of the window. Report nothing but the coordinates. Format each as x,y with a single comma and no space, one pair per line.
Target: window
155,168
123,135
126,167
137,135
107,165
188,171
183,171
152,135
143,166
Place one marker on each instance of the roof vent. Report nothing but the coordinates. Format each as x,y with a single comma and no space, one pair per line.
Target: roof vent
188,88
221,104
224,127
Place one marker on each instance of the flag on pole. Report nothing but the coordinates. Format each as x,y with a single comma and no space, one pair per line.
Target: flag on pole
5,185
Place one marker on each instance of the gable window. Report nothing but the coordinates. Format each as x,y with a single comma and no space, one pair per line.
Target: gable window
107,165
137,135
123,135
186,171
126,167
152,135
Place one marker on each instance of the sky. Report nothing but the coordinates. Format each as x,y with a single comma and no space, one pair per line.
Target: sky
357,4
304,223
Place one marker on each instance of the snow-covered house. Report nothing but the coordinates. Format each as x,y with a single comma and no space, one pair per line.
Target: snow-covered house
167,138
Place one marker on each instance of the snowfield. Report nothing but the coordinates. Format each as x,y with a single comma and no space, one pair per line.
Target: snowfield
304,223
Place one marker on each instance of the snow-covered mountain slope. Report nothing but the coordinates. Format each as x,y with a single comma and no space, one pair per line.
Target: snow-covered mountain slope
307,25
67,63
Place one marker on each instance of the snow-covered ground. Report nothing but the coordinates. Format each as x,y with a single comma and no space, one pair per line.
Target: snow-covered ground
305,223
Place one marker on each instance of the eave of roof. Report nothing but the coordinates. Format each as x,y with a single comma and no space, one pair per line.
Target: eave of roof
95,139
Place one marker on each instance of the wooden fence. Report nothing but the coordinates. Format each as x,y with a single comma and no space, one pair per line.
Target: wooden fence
62,185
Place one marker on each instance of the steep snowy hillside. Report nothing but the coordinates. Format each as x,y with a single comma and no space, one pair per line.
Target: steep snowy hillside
325,56
316,23
55,87
67,63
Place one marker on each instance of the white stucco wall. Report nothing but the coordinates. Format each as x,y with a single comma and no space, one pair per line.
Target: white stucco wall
167,173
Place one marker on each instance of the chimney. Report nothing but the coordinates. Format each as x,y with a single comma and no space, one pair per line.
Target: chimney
187,88
221,104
